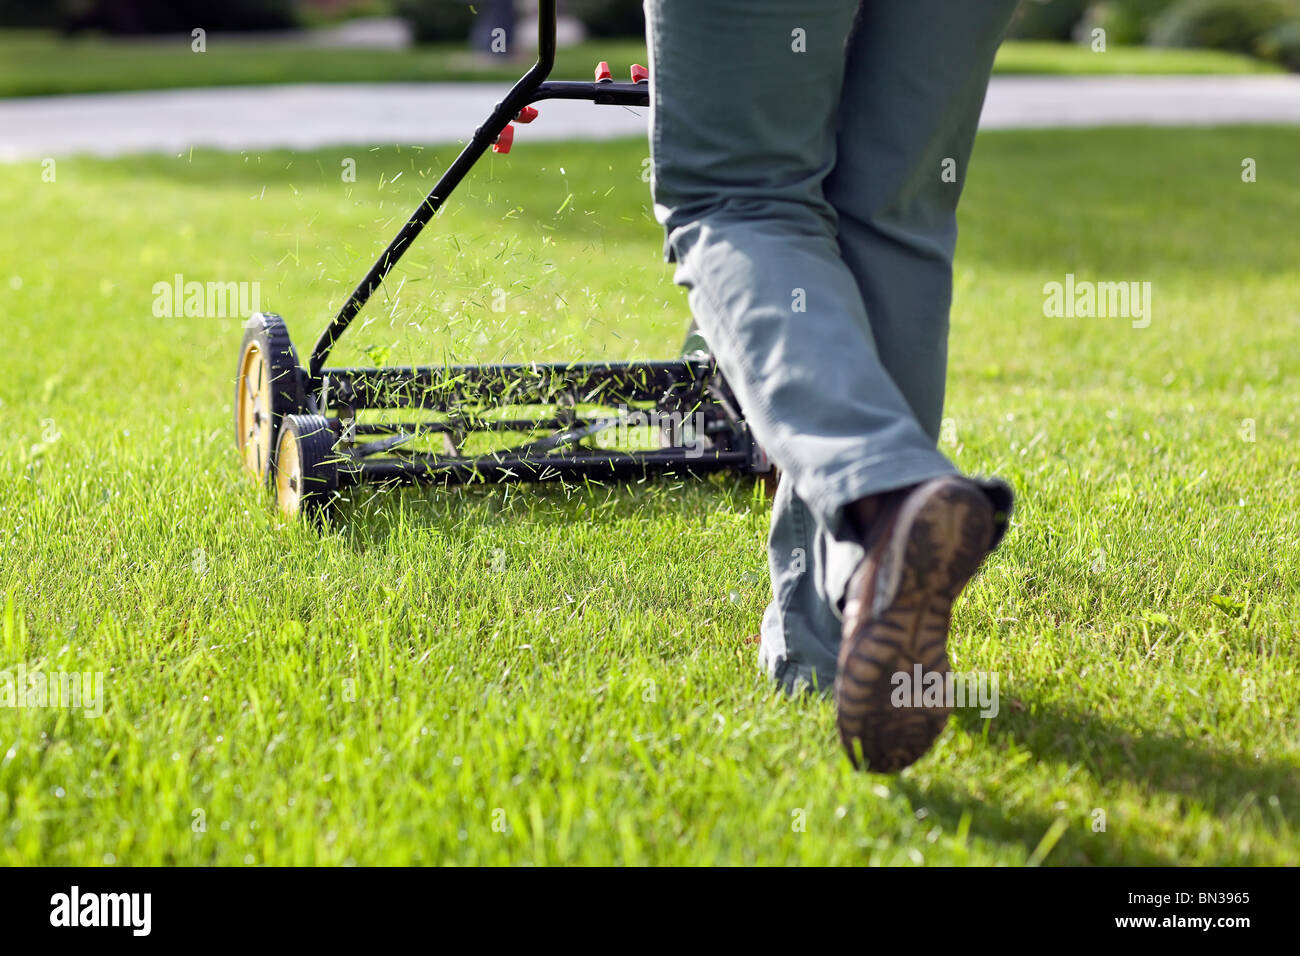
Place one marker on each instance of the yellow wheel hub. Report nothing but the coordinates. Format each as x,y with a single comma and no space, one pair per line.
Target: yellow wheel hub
253,429
288,475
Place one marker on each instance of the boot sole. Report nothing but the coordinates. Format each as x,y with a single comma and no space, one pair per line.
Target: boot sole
942,534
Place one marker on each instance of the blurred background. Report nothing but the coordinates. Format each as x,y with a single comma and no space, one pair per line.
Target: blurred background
54,46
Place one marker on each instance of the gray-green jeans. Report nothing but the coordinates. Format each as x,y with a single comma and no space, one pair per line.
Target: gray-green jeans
808,156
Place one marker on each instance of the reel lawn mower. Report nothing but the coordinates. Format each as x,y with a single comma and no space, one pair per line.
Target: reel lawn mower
298,428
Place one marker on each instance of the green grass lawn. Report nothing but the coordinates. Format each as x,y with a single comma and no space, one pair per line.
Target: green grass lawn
37,63
523,675
1024,56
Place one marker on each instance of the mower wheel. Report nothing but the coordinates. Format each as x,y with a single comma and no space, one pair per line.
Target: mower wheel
269,385
306,466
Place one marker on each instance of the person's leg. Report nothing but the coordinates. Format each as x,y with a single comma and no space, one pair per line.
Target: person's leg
745,96
800,633
915,81
914,84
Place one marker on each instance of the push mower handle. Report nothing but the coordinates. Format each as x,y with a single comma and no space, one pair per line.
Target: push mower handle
520,95
531,87
524,92
546,30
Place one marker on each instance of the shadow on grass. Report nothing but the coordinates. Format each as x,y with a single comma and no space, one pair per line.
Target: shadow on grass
994,821
1154,760
1159,763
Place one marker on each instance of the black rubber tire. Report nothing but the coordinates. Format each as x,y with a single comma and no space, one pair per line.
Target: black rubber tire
287,394
306,466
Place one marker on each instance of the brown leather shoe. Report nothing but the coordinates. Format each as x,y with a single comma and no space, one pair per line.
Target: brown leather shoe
924,546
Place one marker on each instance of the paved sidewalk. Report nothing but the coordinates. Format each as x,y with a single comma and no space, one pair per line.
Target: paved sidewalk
314,115
1020,102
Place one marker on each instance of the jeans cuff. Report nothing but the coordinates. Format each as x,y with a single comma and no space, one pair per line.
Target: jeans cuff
828,497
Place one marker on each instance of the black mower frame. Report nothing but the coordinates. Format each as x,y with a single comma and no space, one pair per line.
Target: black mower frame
700,426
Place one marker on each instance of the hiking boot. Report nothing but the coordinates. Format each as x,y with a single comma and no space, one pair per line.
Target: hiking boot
923,545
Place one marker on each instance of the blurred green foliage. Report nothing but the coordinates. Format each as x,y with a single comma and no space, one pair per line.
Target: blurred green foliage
1125,21
608,18
436,21
1221,24
1047,19
1282,45
1257,27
